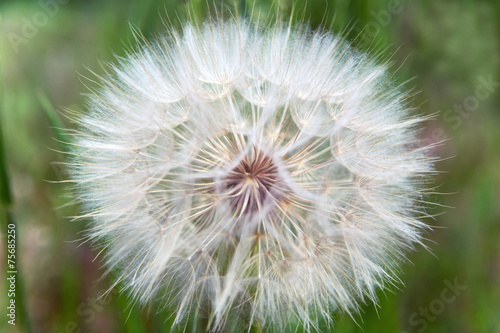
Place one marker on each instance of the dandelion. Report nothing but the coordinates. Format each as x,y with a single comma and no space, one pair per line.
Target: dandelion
238,172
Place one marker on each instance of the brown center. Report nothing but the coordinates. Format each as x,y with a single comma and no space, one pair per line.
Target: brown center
254,185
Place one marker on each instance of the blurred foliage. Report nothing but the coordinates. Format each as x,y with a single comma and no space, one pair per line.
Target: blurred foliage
448,48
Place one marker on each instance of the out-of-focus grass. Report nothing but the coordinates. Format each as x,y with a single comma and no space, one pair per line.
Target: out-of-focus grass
446,45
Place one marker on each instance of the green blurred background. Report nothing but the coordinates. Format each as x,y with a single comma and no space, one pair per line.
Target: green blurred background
450,50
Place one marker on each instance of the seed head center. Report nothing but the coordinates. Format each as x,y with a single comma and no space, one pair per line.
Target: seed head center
254,185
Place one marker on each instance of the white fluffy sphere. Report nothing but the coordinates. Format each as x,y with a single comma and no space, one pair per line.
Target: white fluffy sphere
251,173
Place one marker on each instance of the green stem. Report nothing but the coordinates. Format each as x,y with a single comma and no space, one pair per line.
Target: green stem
6,202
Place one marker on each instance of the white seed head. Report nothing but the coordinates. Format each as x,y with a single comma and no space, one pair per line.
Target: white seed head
243,172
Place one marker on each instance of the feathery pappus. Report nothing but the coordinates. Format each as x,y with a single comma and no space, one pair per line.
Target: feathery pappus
251,175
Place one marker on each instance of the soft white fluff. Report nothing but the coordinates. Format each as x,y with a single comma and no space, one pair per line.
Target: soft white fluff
172,122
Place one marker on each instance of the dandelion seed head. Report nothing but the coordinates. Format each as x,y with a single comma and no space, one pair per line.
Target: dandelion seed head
236,170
